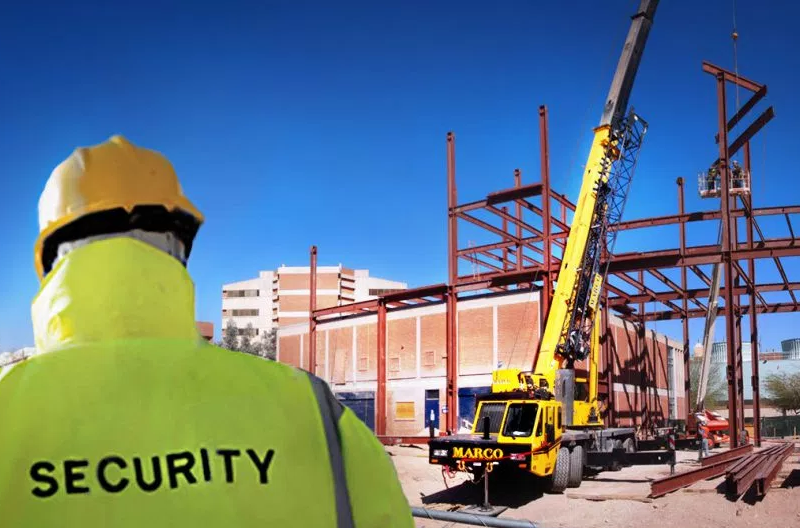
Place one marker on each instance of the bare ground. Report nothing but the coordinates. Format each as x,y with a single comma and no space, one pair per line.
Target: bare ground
702,504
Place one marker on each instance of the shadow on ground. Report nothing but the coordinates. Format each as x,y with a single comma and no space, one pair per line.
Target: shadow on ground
792,480
512,492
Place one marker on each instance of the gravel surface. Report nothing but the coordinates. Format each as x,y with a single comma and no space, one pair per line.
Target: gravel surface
702,504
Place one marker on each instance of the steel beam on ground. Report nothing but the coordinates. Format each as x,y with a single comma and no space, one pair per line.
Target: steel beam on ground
730,454
675,482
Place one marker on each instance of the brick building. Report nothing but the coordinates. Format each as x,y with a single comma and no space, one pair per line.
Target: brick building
281,297
494,330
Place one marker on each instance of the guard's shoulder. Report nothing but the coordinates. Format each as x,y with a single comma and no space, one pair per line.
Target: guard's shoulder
275,368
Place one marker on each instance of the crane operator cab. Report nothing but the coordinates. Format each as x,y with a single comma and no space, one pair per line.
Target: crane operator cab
710,183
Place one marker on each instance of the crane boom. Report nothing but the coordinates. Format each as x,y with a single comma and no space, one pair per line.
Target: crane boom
567,335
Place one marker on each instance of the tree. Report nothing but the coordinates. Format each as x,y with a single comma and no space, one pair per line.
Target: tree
269,344
246,344
717,389
230,336
784,391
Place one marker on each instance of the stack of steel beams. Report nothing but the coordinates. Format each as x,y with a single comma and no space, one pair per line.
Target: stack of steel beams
742,469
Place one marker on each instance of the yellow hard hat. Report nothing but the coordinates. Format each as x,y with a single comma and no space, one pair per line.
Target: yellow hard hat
96,189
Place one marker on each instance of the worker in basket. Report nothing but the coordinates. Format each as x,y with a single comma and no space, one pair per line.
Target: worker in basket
127,417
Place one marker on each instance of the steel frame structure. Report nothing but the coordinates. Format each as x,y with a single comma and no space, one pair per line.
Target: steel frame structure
527,258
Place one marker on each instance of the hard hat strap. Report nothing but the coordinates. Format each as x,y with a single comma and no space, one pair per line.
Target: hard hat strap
167,242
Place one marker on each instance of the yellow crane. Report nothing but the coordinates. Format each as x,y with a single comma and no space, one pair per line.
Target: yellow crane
546,421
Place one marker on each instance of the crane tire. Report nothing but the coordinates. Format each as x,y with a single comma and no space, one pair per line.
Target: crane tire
560,476
575,467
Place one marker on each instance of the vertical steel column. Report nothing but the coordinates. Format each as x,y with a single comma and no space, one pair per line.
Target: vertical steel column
733,389
380,397
684,306
518,215
506,265
640,362
737,318
546,294
312,307
451,334
751,271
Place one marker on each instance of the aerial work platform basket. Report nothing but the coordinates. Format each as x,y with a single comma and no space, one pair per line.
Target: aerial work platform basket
709,184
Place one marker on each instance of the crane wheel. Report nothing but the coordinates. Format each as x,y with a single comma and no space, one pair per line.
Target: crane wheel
575,467
560,476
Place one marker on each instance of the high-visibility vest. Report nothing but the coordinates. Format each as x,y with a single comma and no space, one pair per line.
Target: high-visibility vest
127,417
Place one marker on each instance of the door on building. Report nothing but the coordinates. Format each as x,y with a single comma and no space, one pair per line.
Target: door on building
432,406
466,404
362,404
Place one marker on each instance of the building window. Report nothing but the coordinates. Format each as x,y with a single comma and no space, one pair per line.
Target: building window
247,331
228,294
244,312
429,358
363,363
394,364
383,291
405,411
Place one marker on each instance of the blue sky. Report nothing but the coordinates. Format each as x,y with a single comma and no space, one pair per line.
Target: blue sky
299,123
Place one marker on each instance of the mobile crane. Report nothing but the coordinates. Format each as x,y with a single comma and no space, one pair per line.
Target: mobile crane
546,422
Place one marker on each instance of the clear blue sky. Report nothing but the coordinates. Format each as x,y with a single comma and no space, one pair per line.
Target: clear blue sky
298,123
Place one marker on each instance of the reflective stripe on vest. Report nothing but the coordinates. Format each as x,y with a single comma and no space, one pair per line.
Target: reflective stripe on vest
331,410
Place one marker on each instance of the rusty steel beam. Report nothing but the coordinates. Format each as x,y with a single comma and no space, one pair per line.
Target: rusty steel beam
710,254
356,307
675,287
761,236
675,482
754,99
702,293
312,308
751,131
731,77
702,276
417,293
771,469
668,315
476,260
380,396
503,213
730,454
514,193
750,286
699,216
561,224
641,287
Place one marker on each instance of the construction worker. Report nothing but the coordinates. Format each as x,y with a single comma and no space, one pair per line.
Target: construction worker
127,417
702,436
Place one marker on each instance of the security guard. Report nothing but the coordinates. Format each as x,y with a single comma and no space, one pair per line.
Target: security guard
127,417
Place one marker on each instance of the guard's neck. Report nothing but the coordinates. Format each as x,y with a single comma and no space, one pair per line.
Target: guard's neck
118,288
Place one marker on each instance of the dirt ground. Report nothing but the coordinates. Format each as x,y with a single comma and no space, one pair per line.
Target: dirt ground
702,504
